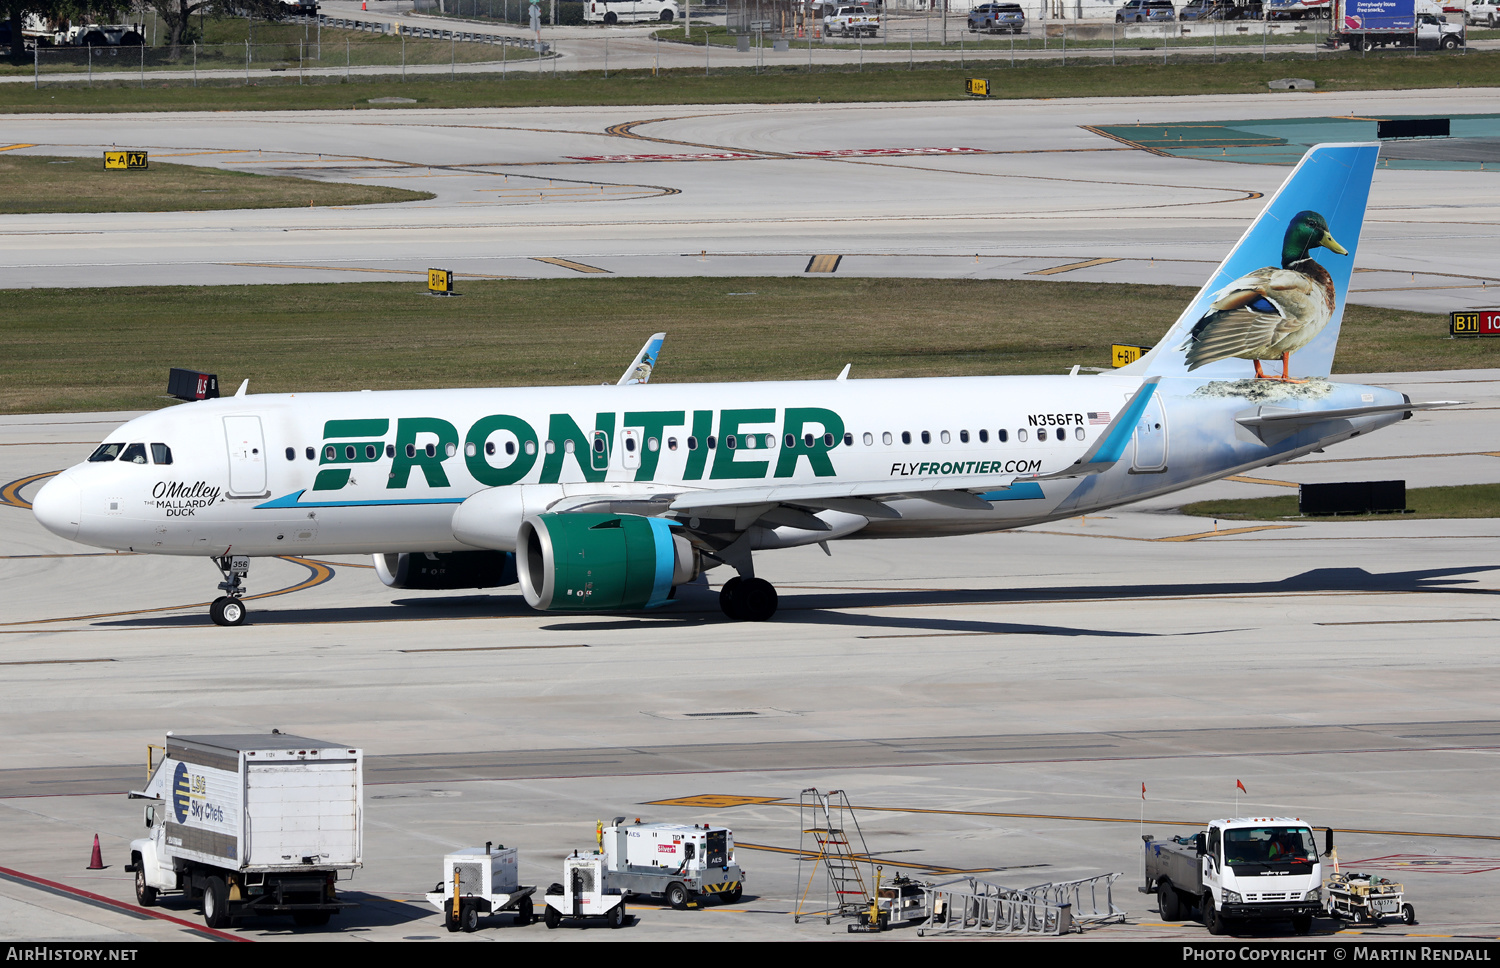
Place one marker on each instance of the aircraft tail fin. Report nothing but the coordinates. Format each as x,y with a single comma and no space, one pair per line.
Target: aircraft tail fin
1282,287
639,370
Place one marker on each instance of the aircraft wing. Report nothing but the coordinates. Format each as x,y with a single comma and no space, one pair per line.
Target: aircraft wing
1110,445
639,370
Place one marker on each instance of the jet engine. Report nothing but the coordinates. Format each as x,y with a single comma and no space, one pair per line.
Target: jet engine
446,570
601,562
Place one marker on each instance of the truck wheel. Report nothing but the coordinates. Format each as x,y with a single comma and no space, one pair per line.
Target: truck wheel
554,890
468,918
1168,902
552,918
1211,919
311,919
1408,914
677,895
732,896
1449,43
145,895
524,915
216,903
1302,923
616,917
610,19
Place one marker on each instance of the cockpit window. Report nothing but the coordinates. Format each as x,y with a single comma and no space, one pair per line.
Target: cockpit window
106,452
161,454
134,454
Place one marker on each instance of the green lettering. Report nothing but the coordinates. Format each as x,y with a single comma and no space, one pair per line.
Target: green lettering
407,429
703,425
478,462
798,419
725,465
562,429
331,480
356,428
652,424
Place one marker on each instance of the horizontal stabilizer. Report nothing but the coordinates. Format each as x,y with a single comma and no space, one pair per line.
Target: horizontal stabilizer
1288,419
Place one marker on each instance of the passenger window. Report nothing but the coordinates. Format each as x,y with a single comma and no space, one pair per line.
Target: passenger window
710,441
552,447
984,436
569,446
349,452
671,443
134,454
1021,436
162,454
629,444
885,438
105,452
652,444
530,448
828,440
906,436
963,436
770,441
926,437
1078,432
1041,433
848,439
291,453
371,452
729,440
1003,436
431,450
469,449
945,438
311,454
411,451
692,443
331,453
390,451
807,441
489,448
451,449
791,442
869,440
599,445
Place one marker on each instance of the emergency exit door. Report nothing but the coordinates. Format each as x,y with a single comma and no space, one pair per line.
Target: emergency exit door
247,456
1151,439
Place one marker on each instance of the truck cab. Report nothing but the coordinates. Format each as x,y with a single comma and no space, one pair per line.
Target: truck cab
1252,868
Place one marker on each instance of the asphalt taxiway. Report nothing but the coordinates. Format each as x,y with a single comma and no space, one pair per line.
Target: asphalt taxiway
1000,189
990,702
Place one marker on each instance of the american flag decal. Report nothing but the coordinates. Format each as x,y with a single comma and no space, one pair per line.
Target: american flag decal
1102,417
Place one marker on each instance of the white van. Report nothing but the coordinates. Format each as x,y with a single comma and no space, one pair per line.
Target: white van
629,11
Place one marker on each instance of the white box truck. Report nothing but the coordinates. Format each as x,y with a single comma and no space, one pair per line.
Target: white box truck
1249,868
252,824
677,862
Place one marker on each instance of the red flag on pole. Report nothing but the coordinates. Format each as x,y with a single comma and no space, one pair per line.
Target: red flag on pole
1241,786
1143,789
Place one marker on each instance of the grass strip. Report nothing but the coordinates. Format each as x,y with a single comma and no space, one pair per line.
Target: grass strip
105,349
789,83
31,184
1461,501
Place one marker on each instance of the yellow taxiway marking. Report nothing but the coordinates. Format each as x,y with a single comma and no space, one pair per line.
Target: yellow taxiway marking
52,661
710,801
399,272
498,648
1225,531
1351,460
567,264
824,263
1261,480
1411,621
13,147
10,494
1071,266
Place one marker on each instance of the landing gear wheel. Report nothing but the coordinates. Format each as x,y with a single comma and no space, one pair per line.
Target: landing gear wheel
216,903
757,600
227,610
616,916
677,895
1168,902
552,918
145,895
729,598
1302,923
524,915
468,918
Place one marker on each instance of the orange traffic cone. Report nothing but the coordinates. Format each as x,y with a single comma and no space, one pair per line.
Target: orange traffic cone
96,862
363,5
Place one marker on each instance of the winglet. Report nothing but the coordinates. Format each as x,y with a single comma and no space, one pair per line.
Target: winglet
1110,446
244,387
639,370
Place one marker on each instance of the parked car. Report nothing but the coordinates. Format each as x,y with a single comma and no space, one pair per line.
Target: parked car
1145,11
1208,10
1485,12
997,18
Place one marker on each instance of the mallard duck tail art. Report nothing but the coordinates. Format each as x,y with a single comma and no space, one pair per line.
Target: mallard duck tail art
1273,311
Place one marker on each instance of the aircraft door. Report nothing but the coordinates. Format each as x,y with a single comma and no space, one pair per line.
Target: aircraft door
1151,439
247,456
630,449
599,451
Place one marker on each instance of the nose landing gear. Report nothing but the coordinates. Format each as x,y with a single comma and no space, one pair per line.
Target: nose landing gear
227,609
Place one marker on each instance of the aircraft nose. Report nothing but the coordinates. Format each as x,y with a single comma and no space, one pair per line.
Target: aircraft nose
59,506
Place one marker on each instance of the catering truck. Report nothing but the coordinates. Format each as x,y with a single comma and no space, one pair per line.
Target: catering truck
1365,24
1257,868
252,824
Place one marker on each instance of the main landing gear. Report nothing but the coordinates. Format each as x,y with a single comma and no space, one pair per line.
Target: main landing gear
748,599
228,609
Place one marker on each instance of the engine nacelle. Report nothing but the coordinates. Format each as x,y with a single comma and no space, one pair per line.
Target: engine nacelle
601,562
447,570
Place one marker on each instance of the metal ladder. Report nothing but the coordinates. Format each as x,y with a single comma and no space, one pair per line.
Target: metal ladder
825,820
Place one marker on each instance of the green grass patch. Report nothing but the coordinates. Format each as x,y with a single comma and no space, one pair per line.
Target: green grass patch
1462,501
39,183
790,83
100,349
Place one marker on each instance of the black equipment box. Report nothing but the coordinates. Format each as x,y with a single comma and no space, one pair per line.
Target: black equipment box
192,385
1356,497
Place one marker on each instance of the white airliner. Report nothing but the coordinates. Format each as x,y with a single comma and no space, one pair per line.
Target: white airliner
607,498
